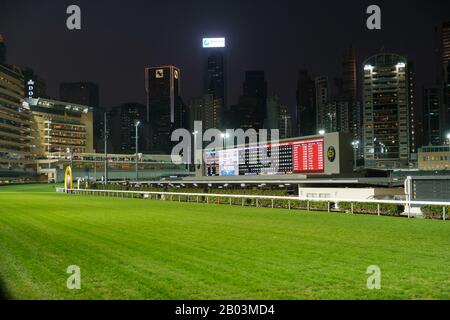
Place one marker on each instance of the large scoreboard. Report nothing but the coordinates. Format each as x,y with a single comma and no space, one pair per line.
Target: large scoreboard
293,157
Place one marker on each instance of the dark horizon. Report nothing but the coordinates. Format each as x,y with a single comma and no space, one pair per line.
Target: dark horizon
117,42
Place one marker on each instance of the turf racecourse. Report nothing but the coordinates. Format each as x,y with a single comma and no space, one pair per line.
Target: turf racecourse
143,249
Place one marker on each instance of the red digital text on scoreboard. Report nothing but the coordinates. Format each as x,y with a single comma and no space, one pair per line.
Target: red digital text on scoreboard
308,156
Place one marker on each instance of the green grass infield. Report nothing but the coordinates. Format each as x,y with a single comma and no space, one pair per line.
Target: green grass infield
144,249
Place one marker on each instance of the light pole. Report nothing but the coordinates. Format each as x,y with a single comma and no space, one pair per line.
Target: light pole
224,137
105,138
137,123
355,145
195,133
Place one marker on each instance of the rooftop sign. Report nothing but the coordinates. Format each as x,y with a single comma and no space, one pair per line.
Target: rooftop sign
213,42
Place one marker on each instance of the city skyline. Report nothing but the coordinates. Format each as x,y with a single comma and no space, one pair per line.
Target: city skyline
280,52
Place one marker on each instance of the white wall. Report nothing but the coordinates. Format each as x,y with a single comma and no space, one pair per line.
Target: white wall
349,193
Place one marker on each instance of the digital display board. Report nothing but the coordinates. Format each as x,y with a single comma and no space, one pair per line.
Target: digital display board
307,156
213,42
294,157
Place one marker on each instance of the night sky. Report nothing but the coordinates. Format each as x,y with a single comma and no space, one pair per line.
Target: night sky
120,38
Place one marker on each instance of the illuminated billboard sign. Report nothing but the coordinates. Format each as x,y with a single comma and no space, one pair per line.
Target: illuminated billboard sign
213,42
294,157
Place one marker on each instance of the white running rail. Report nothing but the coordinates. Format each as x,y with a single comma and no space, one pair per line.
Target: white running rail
147,194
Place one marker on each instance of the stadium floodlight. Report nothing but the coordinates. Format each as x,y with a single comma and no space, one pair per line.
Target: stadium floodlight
322,132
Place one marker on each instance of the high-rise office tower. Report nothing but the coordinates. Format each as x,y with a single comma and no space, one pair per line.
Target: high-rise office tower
124,119
86,93
349,74
253,103
278,117
206,109
215,73
443,32
255,86
305,111
350,95
284,122
2,50
162,85
387,111
432,102
322,98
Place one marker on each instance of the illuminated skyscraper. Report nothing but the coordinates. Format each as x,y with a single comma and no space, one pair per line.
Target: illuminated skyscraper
388,111
215,74
206,109
165,109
